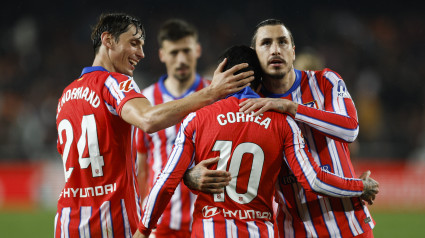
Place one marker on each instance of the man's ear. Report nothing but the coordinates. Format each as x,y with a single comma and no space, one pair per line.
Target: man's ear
107,39
161,55
198,50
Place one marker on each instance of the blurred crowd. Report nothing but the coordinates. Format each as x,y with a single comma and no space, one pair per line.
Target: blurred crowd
380,53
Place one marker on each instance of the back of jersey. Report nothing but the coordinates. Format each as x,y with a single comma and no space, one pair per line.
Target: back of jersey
100,197
251,149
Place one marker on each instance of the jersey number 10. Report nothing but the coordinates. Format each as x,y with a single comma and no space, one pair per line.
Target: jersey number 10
225,149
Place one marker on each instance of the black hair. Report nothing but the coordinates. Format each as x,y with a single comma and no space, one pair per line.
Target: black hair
270,22
243,54
115,24
176,29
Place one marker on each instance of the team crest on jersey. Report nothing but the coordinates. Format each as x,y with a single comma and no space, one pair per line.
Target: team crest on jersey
209,211
312,104
126,86
326,167
342,90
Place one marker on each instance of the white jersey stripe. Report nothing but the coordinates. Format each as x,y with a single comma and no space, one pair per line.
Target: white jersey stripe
329,217
106,221
231,228
270,229
127,229
113,87
208,225
333,153
176,209
253,230
56,222
355,227
303,209
84,227
366,211
65,219
338,105
315,90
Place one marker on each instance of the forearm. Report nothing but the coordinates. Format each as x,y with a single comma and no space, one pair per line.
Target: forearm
150,119
332,124
168,114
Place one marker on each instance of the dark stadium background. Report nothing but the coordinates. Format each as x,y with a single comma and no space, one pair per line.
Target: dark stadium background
377,47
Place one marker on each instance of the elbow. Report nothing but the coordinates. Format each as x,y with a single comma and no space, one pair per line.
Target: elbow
352,135
148,125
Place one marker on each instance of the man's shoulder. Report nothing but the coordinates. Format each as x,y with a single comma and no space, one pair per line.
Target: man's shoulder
322,74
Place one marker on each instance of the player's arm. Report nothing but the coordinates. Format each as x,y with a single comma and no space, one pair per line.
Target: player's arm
142,156
337,120
142,176
139,111
313,178
170,177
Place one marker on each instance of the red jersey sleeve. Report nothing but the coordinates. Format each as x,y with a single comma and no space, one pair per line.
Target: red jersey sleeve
338,119
118,90
308,172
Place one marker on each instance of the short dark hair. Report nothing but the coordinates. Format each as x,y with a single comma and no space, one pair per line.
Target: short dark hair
243,54
115,24
270,22
176,29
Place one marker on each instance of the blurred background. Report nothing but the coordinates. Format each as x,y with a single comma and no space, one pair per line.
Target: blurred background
377,48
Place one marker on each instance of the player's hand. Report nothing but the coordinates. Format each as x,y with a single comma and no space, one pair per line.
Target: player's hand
267,104
138,234
370,188
205,180
225,83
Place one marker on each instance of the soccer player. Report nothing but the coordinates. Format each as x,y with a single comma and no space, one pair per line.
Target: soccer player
179,51
95,119
321,105
253,150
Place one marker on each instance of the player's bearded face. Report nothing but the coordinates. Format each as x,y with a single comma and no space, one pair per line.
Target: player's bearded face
180,57
275,51
126,53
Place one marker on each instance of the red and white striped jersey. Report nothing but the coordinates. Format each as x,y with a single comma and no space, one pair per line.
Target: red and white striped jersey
327,118
253,150
100,197
158,145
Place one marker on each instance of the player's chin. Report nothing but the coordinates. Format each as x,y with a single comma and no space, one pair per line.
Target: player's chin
129,72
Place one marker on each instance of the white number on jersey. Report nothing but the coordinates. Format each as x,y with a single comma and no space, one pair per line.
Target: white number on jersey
225,148
88,138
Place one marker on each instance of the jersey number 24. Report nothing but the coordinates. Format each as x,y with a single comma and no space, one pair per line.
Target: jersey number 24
87,139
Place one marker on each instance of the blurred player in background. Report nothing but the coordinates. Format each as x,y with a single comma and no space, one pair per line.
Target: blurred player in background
179,51
95,119
323,108
244,145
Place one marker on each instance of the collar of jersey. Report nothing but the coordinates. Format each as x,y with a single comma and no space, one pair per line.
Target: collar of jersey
297,82
190,90
87,70
247,92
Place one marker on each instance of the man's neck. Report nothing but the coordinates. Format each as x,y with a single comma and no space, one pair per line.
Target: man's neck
178,87
279,85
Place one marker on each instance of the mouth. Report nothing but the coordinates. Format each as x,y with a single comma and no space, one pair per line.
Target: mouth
182,69
276,62
133,63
